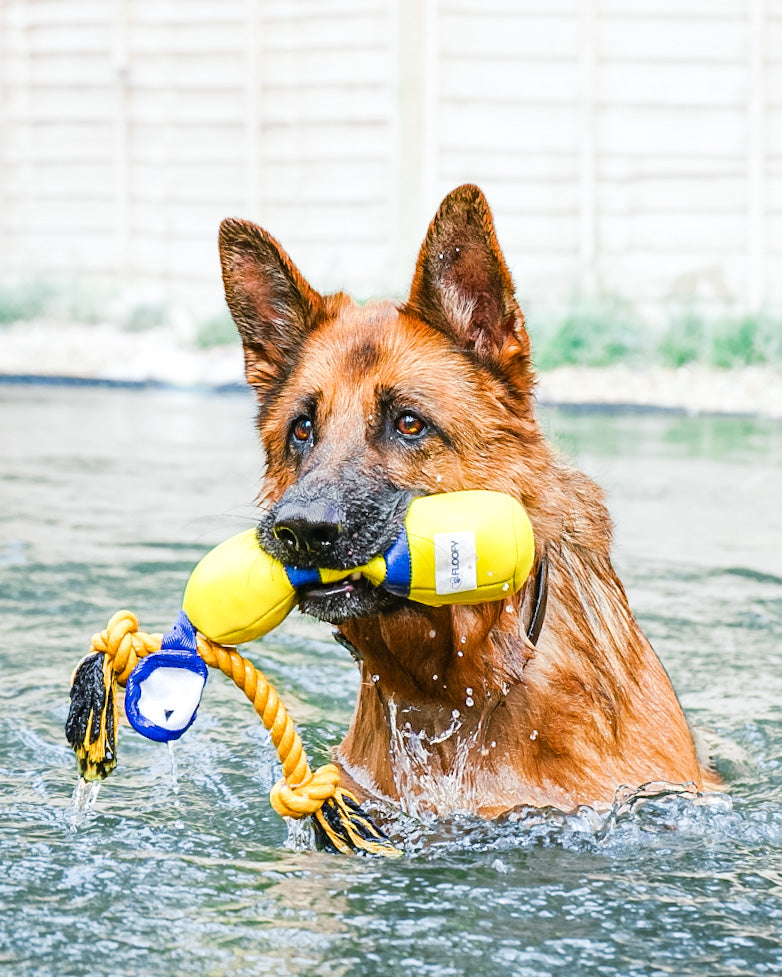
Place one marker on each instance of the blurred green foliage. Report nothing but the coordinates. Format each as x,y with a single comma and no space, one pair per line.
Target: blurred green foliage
725,342
609,330
594,334
599,331
145,315
23,301
216,330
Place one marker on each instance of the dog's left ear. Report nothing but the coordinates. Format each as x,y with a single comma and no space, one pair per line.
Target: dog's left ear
462,285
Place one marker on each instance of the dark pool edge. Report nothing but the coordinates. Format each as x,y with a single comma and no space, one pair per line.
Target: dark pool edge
64,380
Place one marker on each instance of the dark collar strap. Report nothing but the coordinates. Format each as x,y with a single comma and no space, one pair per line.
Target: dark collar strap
340,638
541,597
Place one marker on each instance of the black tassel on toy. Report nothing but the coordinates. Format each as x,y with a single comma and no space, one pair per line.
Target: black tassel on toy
91,726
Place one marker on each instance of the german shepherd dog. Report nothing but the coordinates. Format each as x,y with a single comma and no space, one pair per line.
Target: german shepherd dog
553,697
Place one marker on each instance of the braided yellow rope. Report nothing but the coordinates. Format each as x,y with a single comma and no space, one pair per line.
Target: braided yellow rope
301,792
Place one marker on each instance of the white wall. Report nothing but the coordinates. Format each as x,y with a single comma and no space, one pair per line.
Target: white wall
630,145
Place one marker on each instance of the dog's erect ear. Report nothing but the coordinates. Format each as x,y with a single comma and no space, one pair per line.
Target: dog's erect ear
462,285
271,303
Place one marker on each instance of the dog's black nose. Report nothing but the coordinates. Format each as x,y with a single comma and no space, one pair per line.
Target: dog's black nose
307,528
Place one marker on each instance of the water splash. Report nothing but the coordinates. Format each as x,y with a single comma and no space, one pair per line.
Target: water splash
301,836
421,786
83,799
644,816
84,795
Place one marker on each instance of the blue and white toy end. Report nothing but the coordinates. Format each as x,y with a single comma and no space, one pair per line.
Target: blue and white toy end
164,690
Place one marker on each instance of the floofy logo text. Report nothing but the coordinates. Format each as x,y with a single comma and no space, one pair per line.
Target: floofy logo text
454,562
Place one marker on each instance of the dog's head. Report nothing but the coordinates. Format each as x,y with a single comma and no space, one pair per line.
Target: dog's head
364,407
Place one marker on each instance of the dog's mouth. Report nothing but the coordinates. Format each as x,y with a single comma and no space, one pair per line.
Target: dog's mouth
346,599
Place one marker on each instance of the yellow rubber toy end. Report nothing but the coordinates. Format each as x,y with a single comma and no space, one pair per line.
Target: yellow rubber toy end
238,592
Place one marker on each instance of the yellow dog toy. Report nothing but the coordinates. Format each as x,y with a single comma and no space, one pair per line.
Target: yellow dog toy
461,547
455,548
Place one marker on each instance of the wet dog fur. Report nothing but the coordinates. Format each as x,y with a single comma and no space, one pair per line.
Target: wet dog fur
364,407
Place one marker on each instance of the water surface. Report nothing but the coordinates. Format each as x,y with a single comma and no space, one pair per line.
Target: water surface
108,498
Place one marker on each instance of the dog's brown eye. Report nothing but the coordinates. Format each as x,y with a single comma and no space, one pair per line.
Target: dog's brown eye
410,425
302,429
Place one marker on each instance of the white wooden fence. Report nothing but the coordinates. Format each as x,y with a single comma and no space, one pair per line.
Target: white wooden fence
628,145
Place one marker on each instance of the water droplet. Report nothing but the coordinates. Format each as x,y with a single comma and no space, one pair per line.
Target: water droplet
509,608
506,586
375,678
434,678
493,743
455,714
460,654
464,640
533,735
469,701
468,690
432,633
489,573
439,478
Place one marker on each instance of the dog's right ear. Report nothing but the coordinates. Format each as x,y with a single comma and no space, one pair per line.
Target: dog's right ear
273,306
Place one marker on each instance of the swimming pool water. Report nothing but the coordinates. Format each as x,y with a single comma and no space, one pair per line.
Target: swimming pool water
107,499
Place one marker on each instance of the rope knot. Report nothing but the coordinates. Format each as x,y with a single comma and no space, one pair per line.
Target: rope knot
307,797
124,643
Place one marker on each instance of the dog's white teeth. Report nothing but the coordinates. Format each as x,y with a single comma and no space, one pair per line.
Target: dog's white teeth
355,576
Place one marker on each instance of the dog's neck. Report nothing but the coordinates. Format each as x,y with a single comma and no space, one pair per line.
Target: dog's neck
431,678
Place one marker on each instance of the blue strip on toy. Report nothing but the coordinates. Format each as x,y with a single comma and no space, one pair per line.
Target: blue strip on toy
302,578
164,690
399,566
